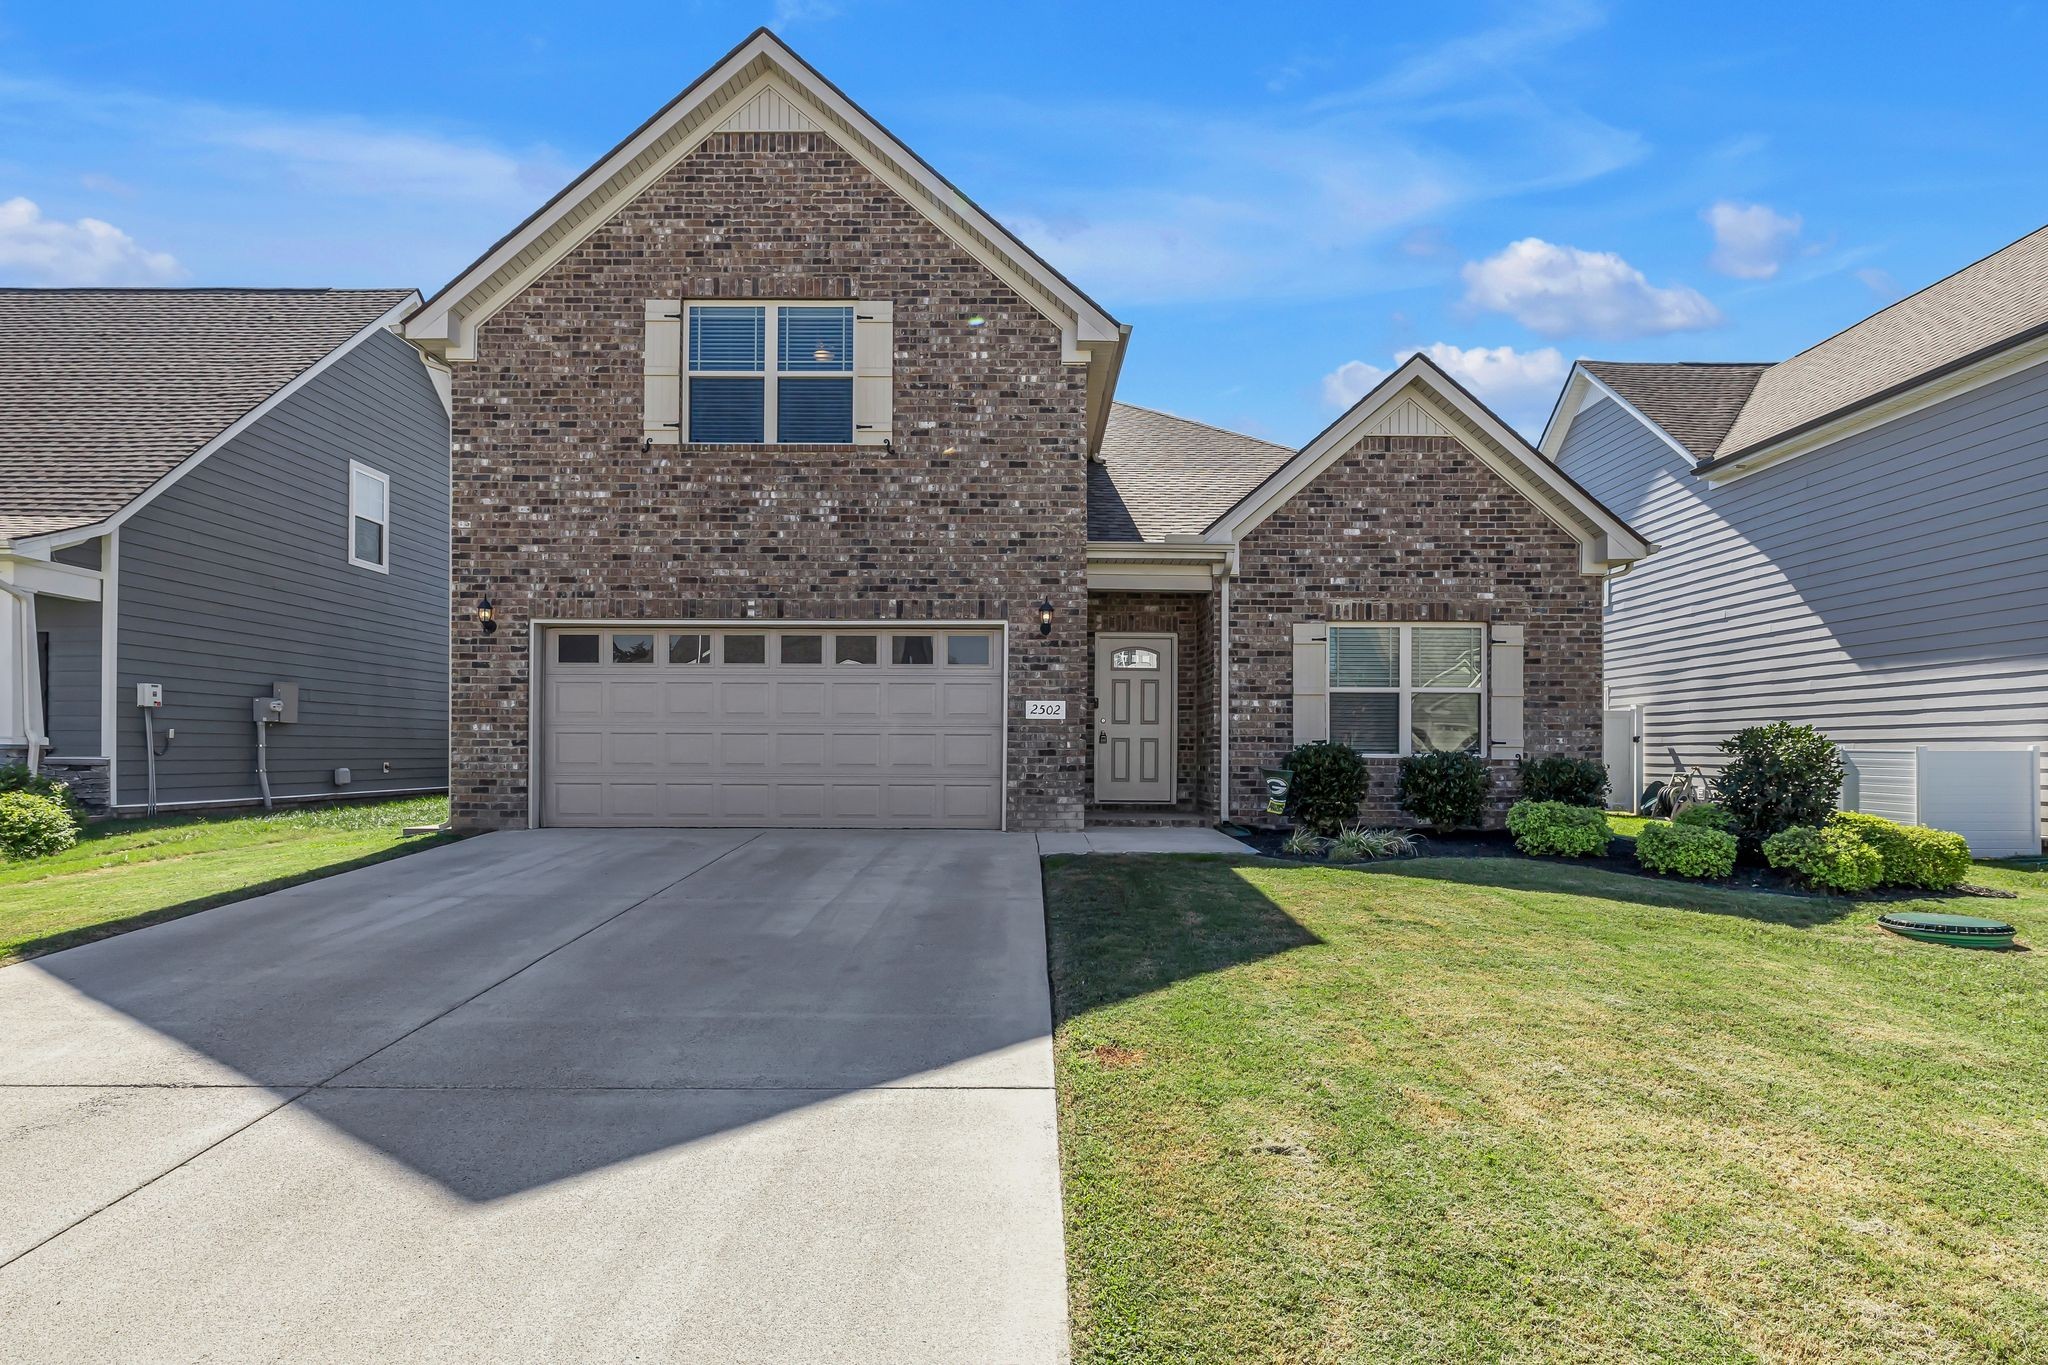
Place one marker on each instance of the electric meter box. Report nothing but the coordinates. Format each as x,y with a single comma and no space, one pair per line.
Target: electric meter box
150,695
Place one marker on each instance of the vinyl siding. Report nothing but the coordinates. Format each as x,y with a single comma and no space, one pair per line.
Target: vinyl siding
73,722
238,576
1890,589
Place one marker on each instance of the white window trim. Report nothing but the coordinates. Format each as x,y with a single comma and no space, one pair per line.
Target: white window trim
355,469
771,355
1406,690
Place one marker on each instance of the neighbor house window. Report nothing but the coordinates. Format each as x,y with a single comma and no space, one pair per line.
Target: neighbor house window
770,373
369,518
1397,690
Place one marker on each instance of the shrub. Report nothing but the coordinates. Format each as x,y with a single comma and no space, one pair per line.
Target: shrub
1913,855
1302,843
32,825
1831,856
1685,850
1559,829
1328,783
1706,815
1446,791
15,777
1778,776
1558,777
1356,845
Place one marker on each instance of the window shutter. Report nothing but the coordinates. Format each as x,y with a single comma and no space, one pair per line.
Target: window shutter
874,363
1311,681
663,360
1504,689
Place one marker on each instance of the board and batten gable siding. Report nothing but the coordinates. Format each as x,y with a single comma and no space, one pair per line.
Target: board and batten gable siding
237,576
1891,589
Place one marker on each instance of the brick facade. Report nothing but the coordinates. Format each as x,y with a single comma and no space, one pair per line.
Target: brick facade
979,513
1406,528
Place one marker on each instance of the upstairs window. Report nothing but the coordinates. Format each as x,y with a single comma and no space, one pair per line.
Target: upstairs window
369,518
770,374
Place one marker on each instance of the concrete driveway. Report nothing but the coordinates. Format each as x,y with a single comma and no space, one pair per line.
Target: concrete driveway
559,1095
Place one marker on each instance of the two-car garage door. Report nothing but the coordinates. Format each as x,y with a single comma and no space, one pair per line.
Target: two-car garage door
751,725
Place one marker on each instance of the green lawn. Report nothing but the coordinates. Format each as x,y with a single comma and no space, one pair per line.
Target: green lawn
1504,1110
124,874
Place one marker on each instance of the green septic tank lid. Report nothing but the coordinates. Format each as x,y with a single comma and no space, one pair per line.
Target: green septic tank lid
1962,931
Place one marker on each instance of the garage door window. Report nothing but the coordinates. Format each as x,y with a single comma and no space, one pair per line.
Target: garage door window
853,649
746,649
803,649
576,649
632,649
967,650
689,649
911,649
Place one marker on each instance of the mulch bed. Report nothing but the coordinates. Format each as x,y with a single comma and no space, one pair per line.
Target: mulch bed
1620,857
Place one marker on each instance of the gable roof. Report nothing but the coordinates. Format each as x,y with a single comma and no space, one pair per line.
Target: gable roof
1692,402
1161,475
103,392
1982,308
761,84
1420,398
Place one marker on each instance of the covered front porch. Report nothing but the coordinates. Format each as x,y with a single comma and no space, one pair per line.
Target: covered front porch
51,648
1156,633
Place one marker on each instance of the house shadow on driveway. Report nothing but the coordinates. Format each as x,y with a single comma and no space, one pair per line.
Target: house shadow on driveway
517,1010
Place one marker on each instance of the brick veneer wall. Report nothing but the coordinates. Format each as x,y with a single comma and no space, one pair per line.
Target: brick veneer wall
558,514
1408,528
1188,618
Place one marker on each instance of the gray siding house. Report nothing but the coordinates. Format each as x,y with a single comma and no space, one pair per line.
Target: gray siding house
211,497
1850,538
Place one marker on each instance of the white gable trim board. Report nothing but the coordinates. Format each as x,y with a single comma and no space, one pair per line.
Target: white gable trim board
1582,391
769,84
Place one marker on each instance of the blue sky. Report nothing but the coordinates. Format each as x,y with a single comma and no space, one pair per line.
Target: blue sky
1282,209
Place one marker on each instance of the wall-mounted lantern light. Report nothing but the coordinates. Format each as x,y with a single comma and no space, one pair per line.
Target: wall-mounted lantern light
1045,618
487,616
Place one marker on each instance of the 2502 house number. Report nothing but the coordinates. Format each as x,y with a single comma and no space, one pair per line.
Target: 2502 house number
1045,710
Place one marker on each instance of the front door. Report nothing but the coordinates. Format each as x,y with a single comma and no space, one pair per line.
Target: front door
1134,720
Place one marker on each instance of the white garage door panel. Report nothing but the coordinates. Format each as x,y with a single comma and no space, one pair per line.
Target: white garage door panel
688,736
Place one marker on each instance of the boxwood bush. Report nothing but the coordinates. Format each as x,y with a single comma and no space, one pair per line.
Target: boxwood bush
1559,829
1560,777
1685,850
1777,776
1830,856
1913,855
1446,791
32,825
1706,815
15,777
1328,783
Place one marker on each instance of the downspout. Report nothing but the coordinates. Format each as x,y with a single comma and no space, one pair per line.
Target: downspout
31,679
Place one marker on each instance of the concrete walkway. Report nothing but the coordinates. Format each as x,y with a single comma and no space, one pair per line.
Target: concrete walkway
1142,839
562,1095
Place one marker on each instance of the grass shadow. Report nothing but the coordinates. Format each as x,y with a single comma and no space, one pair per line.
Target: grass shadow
90,933
1116,937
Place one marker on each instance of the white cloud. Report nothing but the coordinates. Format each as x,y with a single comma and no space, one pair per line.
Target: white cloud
1751,241
1879,282
39,250
789,13
1557,290
1505,379
1519,385
1351,381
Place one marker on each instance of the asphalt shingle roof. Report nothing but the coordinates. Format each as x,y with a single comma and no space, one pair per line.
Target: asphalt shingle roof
1694,403
1980,307
103,391
1162,475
